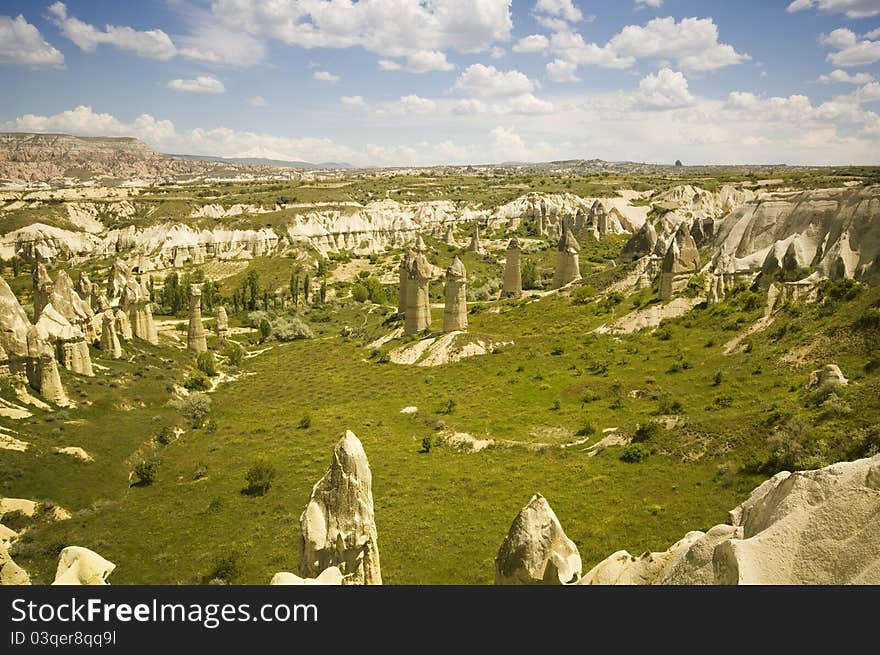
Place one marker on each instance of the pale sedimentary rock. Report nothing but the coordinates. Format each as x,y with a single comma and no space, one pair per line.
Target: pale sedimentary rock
123,325
42,369
71,306
88,291
337,527
449,236
829,375
475,245
809,527
330,576
455,310
42,288
568,267
222,323
10,572
81,566
512,286
109,339
682,260
405,263
536,550
418,306
67,341
135,303
117,280
420,245
195,336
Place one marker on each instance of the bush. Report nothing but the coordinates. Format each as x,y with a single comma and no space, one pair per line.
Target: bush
201,471
234,354
194,407
426,445
207,364
290,328
197,381
790,445
583,294
225,569
265,330
165,436
146,472
305,422
586,430
669,405
259,477
646,432
635,453
359,293
718,379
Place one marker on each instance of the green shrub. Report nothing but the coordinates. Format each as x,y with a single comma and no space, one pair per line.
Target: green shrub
146,472
719,378
583,294
225,569
635,453
359,293
646,432
586,430
165,436
790,445
197,381
207,364
201,471
194,407
668,405
259,477
234,354
305,422
426,445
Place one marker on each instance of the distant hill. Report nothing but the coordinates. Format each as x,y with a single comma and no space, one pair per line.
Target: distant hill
261,161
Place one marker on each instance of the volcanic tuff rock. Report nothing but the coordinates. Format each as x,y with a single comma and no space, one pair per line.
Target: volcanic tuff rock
222,322
330,576
109,339
42,288
81,566
808,527
681,261
403,286
455,310
830,374
512,285
10,572
536,550
568,267
135,302
418,305
338,527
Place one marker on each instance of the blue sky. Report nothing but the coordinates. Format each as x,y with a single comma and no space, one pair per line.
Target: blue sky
399,82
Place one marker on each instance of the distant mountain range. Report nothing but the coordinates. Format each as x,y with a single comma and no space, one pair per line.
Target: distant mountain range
261,161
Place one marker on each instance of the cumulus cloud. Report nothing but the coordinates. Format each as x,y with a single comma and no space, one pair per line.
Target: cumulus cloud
654,4
258,101
481,81
664,90
325,76
842,77
386,27
353,101
850,50
22,43
851,8
216,44
151,44
201,84
562,71
562,9
532,43
422,61
692,43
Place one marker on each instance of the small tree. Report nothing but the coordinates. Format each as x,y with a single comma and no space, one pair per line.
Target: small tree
207,364
265,329
146,472
259,477
194,407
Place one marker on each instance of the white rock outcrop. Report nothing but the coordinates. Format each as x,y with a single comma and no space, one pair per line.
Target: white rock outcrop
536,550
330,576
81,566
337,527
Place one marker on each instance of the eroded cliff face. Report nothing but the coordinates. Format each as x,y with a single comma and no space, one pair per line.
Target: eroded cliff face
26,157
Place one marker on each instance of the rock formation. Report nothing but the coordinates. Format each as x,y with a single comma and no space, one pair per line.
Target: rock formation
109,340
809,527
420,245
682,260
418,306
455,311
117,279
567,265
330,576
195,335
536,550
87,290
337,527
81,566
66,340
512,285
475,245
42,369
135,302
829,375
42,288
71,306
10,572
222,323
405,263
123,325
449,236
641,243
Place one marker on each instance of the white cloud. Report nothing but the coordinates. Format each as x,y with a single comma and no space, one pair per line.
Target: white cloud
387,27
692,43
215,44
422,61
563,9
873,34
850,51
852,8
152,44
353,101
562,71
664,90
655,4
258,101
22,43
201,84
842,77
532,43
497,52
416,104
481,81
325,76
